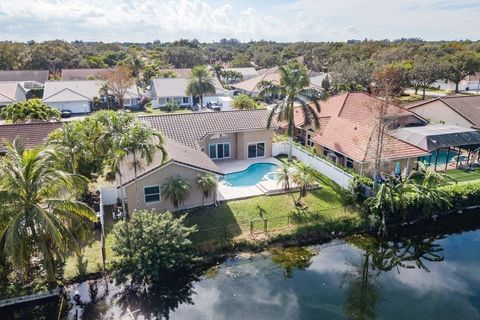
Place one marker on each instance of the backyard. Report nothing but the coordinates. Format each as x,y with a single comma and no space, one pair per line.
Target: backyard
232,219
463,176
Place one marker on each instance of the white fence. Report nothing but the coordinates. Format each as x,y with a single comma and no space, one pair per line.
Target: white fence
342,178
108,195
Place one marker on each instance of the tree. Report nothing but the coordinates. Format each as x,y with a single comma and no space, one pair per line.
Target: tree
244,101
136,65
217,68
458,65
68,144
55,55
294,90
33,109
423,72
207,182
142,143
390,80
39,202
383,204
231,76
304,178
284,177
159,249
118,82
200,83
176,189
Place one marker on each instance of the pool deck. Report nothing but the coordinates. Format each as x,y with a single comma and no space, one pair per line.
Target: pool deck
264,187
225,192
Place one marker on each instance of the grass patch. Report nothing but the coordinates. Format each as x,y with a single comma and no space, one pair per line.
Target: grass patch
462,176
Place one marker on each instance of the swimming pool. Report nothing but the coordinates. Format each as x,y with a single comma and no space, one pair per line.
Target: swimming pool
250,176
443,157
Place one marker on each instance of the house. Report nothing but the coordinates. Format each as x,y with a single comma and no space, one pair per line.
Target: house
165,90
195,143
252,86
461,111
39,76
348,136
85,74
178,72
31,135
78,96
247,73
11,92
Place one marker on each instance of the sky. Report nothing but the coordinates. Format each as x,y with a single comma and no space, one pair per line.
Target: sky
211,20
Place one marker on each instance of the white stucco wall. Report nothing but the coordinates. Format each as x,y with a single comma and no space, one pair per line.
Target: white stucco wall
438,112
74,106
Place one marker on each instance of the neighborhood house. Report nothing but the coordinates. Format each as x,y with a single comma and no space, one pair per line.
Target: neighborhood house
11,92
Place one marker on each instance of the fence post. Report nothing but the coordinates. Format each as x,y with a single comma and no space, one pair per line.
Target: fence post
265,229
251,227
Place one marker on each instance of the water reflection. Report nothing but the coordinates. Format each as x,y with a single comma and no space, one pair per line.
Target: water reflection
293,258
381,256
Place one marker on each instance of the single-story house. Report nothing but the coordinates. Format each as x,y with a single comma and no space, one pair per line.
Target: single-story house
348,135
195,143
78,96
39,76
165,90
252,86
85,74
31,135
247,73
461,111
11,92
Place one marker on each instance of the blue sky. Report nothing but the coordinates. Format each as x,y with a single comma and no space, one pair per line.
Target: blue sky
209,20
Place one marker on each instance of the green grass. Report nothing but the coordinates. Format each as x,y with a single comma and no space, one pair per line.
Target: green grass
462,176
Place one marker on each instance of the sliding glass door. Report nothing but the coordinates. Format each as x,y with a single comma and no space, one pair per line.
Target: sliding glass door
219,150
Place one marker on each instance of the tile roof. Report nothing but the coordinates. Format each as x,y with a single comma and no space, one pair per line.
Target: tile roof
252,85
83,74
180,72
466,106
30,134
177,153
24,75
190,128
246,72
8,91
358,142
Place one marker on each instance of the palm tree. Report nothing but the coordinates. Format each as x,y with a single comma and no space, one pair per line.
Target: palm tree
103,92
143,142
207,182
135,63
284,177
304,178
200,83
66,142
176,189
217,68
384,203
294,88
38,202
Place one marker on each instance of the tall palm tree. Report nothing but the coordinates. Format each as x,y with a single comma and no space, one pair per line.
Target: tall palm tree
135,63
217,68
66,142
284,177
200,83
207,182
176,189
39,204
295,90
304,178
143,143
103,92
383,203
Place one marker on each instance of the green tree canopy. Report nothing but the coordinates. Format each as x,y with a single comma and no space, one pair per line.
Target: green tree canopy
457,66
200,83
159,248
244,101
33,109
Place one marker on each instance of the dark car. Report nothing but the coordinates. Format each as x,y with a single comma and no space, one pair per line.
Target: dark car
66,113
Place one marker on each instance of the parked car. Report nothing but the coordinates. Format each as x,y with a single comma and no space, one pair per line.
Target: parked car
215,106
66,113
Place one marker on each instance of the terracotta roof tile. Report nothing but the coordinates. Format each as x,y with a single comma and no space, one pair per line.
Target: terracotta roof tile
30,134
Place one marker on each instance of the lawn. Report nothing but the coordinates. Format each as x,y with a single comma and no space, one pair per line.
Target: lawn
462,176
236,218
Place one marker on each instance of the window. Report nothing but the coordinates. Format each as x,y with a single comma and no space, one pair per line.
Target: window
161,101
256,150
349,163
219,150
185,100
152,194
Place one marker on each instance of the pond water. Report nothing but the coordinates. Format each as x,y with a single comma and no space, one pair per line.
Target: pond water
431,272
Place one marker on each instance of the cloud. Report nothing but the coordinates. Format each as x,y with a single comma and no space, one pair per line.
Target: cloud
207,20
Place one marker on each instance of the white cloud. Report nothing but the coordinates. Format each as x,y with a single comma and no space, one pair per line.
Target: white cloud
207,20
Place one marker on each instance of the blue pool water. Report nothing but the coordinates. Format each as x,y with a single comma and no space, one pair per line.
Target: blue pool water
443,157
250,176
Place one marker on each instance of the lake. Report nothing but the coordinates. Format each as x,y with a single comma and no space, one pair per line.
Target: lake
422,272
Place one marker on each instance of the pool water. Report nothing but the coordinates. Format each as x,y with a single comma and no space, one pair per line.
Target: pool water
250,176
443,157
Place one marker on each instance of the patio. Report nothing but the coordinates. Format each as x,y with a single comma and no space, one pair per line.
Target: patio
264,187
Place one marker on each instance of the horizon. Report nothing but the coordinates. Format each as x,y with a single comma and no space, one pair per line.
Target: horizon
141,21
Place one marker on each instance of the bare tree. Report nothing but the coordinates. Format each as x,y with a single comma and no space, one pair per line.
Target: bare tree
118,82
